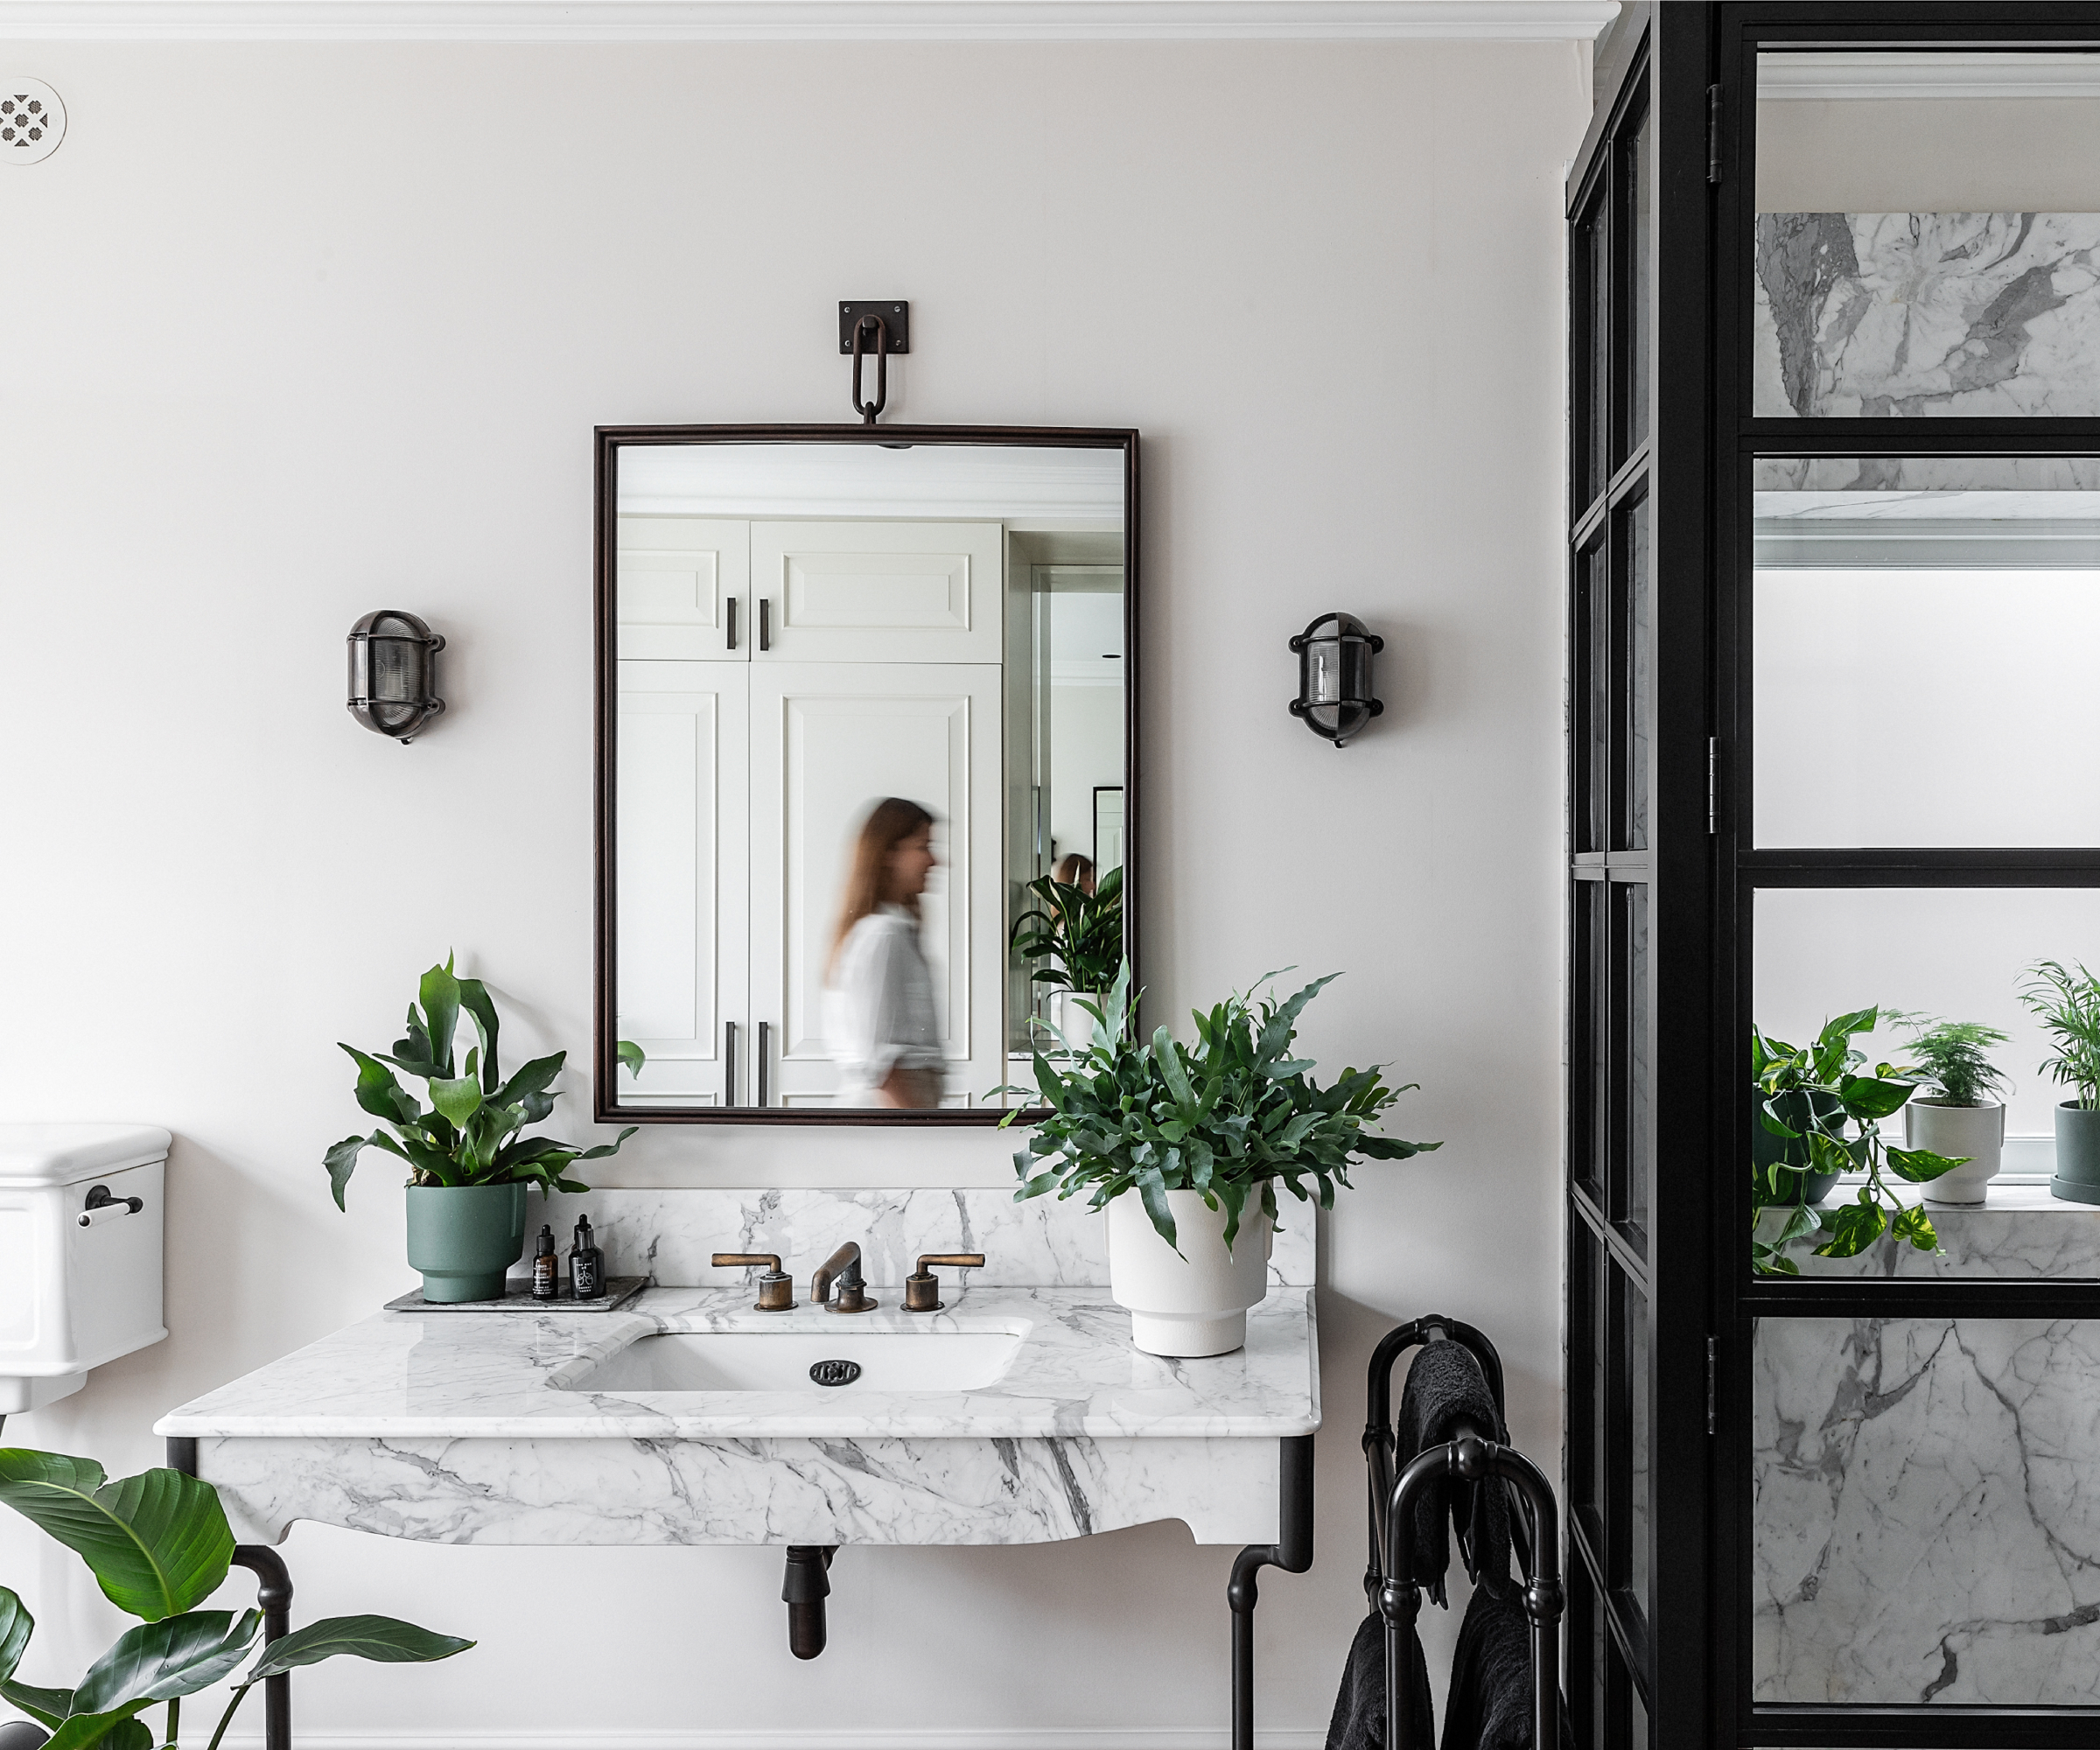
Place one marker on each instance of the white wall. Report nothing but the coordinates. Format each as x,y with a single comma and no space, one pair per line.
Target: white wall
296,332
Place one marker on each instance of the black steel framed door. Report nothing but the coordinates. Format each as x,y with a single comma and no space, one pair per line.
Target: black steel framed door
1638,1200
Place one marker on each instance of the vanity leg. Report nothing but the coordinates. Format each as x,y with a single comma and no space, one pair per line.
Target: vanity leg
804,1590
1292,1552
273,1593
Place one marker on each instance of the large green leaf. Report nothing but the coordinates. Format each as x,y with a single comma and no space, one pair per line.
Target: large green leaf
1853,1227
157,1543
380,1638
459,1099
116,1731
440,994
475,1000
46,1707
377,1090
159,1661
1869,1096
16,1627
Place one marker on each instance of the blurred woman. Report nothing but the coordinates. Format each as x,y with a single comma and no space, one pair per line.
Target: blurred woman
879,991
1074,870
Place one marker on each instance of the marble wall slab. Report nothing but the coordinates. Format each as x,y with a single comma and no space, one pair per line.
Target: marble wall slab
2020,1233
669,1235
1926,1511
1970,314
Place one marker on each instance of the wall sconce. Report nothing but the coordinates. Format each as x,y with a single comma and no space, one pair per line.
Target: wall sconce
1334,696
394,673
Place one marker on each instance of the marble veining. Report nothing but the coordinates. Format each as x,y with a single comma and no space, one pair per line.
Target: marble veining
2019,1232
669,1235
1968,314
1926,1511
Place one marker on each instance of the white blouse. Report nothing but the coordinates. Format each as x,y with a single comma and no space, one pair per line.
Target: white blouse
879,1005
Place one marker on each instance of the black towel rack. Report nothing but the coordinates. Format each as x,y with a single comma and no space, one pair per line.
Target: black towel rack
1473,1455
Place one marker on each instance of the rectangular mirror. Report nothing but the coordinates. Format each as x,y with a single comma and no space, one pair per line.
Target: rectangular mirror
867,763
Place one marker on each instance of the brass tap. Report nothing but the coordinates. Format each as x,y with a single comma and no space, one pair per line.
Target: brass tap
843,1268
776,1287
922,1287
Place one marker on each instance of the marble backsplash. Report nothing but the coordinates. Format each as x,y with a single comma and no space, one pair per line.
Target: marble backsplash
1927,1511
669,1235
2020,1233
1970,314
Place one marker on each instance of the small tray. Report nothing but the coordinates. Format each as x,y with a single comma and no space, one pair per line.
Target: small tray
517,1298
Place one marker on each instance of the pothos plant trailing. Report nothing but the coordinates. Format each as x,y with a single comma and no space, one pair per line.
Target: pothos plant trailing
158,1544
1229,1118
1808,1094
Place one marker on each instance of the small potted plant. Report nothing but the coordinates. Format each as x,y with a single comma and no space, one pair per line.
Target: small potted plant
159,1546
1076,932
2066,1000
1184,1147
1808,1097
469,1168
1959,1118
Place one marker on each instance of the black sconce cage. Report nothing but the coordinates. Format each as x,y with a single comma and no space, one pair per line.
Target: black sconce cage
394,673
1334,694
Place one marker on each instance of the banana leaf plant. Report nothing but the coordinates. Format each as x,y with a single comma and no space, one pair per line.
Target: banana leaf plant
158,1544
1809,1095
1076,936
1230,1117
470,1134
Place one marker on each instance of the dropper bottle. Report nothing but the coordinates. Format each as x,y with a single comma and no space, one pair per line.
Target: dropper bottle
546,1268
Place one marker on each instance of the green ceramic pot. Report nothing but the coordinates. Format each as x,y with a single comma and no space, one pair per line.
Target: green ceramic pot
464,1237
1765,1149
2077,1178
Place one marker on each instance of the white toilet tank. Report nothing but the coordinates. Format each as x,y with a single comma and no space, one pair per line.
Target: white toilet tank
80,1220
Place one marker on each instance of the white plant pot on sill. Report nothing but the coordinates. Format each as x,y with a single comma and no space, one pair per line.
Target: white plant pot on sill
1192,1302
1977,1133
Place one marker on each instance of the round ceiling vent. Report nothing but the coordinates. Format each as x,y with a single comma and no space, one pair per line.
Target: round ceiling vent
32,121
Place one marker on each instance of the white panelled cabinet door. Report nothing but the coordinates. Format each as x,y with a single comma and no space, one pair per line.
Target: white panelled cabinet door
682,587
877,592
828,741
681,864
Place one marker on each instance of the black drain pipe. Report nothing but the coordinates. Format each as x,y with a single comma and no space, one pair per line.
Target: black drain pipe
804,1591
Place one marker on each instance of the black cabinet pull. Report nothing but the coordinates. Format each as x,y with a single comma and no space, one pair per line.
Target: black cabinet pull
733,636
764,1032
728,1058
765,634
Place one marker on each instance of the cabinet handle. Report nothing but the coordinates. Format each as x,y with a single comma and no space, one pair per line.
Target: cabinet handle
764,1032
732,622
729,1048
764,627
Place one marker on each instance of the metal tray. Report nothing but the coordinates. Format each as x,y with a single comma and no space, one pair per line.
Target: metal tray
517,1298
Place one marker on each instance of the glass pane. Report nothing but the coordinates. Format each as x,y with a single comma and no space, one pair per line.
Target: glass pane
1590,1016
1589,1655
1585,1373
1925,634
1956,955
1637,1145
1637,680
1630,1414
1927,1498
1637,174
1592,698
1925,223
1637,1729
1593,329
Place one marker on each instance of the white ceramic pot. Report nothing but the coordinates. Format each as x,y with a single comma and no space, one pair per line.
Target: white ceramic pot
1194,1301
1976,1132
1073,1022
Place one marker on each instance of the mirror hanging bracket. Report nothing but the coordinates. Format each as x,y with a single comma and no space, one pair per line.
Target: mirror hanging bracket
882,326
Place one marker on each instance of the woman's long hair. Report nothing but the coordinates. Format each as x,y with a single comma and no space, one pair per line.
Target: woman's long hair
889,823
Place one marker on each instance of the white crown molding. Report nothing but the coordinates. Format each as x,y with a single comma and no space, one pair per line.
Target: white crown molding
663,21
1855,75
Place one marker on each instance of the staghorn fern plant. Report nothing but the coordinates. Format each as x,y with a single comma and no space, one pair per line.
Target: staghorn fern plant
469,1135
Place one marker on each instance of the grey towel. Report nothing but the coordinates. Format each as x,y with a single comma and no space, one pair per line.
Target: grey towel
1444,1387
1490,1706
1359,1721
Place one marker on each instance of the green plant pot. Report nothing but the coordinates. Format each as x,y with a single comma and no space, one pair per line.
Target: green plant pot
464,1237
2077,1178
1766,1150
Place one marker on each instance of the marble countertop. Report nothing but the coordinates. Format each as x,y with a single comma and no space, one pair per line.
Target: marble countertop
500,1375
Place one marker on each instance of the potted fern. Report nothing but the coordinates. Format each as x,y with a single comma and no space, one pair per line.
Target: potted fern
469,1167
1074,933
158,1544
1959,1118
1184,1147
2066,1000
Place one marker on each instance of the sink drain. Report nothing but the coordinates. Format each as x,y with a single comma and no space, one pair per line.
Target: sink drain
835,1373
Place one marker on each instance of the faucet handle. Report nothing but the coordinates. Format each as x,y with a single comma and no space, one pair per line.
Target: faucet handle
922,1288
776,1287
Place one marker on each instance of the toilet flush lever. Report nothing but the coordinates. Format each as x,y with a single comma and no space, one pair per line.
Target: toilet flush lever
101,1207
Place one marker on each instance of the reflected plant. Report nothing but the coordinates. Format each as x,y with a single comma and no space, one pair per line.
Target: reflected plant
1808,1094
2067,1002
1076,935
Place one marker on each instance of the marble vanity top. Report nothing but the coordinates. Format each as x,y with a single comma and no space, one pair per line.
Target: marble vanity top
468,1376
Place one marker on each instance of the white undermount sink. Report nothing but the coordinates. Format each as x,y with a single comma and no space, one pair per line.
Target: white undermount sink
768,1360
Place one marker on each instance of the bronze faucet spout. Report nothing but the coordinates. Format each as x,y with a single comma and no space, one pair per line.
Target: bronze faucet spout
843,1267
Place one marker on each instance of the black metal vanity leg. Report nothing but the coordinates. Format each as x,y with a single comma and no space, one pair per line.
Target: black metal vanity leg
1292,1552
273,1592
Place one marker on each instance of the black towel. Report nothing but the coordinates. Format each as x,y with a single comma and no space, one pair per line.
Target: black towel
1490,1706
1359,1721
1444,1386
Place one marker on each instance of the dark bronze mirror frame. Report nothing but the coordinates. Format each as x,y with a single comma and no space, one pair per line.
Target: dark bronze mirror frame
609,440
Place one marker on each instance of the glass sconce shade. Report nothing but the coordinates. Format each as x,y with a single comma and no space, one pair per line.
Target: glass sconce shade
394,673
1335,695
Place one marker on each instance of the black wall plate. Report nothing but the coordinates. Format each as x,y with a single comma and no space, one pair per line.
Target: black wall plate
896,315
